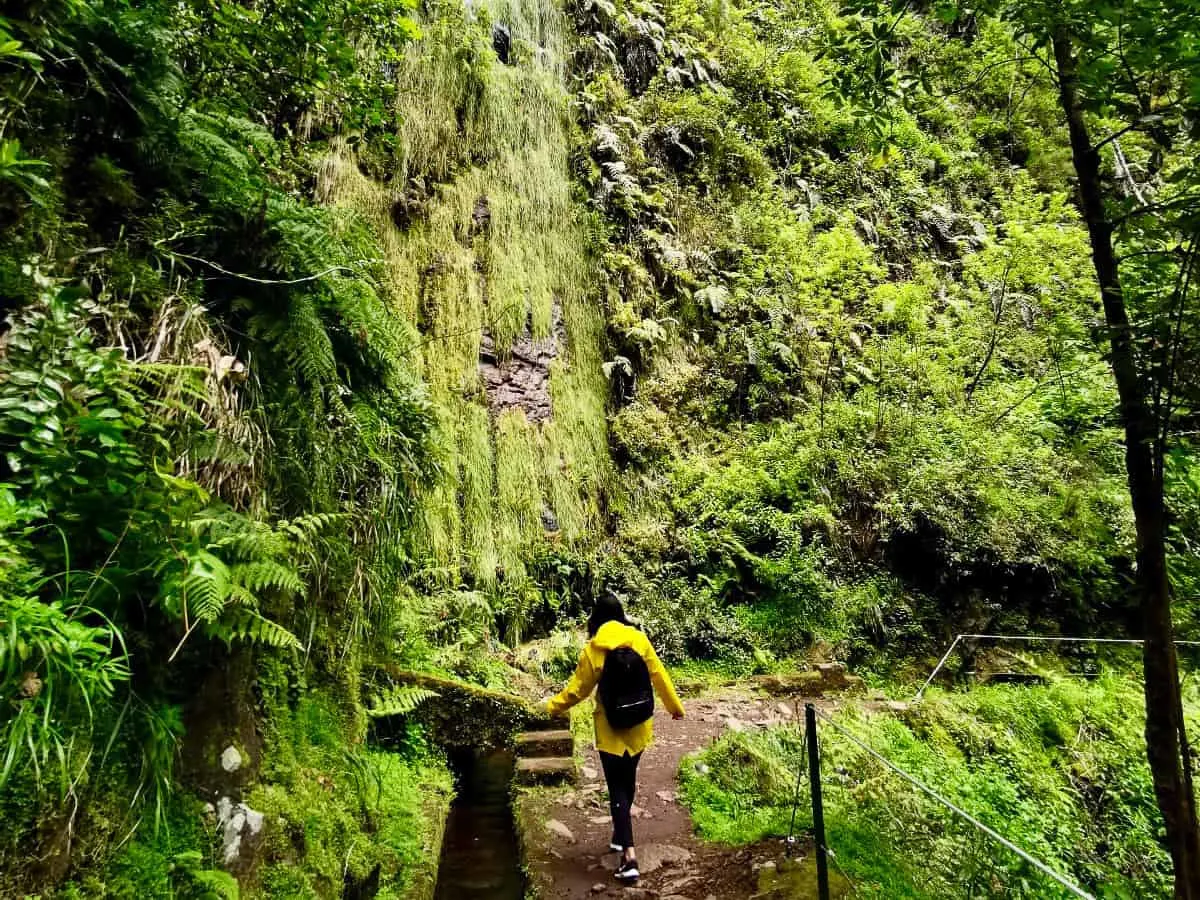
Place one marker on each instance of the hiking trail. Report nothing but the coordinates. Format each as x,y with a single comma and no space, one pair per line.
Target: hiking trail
567,830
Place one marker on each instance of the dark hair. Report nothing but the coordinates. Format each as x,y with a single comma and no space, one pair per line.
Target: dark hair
607,609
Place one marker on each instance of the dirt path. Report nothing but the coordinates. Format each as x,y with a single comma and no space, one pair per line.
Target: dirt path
568,831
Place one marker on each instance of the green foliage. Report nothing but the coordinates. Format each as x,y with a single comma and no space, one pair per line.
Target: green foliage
1059,770
337,808
55,667
869,403
845,356
400,700
86,501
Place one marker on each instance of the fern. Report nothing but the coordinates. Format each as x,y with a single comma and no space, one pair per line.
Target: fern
222,563
399,701
205,587
305,342
248,625
267,573
304,528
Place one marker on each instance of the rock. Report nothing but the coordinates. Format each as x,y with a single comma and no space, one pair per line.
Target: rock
556,742
785,709
254,819
701,769
590,773
652,857
31,685
807,683
544,770
833,675
558,829
733,724
598,820
231,846
897,707
769,867
675,885
870,235
481,217
599,888
234,821
501,42
636,811
520,378
637,893
231,760
665,796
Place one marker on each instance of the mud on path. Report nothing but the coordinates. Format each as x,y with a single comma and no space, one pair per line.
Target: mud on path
567,830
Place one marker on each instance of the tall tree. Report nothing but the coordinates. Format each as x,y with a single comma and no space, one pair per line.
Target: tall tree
1128,70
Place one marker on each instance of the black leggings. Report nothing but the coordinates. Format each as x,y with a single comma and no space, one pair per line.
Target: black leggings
621,774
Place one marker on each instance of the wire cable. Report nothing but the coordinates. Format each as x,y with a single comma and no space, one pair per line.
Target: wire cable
1031,638
791,837
999,838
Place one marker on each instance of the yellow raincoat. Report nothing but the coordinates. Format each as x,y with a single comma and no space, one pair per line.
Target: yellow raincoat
591,663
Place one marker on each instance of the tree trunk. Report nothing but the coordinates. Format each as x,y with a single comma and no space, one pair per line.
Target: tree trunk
1166,740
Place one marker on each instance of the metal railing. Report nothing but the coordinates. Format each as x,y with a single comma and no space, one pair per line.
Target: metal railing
1026,638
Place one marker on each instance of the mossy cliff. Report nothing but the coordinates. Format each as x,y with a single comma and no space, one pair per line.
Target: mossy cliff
316,306
483,244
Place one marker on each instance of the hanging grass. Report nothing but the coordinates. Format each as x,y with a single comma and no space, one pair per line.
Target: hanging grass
490,240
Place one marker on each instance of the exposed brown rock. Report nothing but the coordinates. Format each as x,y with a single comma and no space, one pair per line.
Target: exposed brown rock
520,378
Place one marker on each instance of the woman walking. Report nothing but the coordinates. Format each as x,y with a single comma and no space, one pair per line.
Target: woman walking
624,727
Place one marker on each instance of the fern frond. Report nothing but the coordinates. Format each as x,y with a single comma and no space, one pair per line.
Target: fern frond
305,342
248,625
241,595
305,527
399,701
259,574
206,586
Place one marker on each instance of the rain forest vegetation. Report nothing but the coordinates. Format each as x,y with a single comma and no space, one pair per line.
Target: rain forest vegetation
840,328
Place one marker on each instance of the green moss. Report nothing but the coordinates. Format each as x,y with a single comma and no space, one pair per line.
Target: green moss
492,136
175,860
334,809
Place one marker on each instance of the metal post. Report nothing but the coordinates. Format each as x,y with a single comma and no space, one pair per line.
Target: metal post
814,776
938,667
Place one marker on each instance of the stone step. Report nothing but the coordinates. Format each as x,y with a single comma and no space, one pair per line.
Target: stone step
542,770
542,722
546,743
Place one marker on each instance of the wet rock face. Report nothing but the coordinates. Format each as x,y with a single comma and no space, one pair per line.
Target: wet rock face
520,379
502,42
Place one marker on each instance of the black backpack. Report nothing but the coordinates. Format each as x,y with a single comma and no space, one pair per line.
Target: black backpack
625,690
